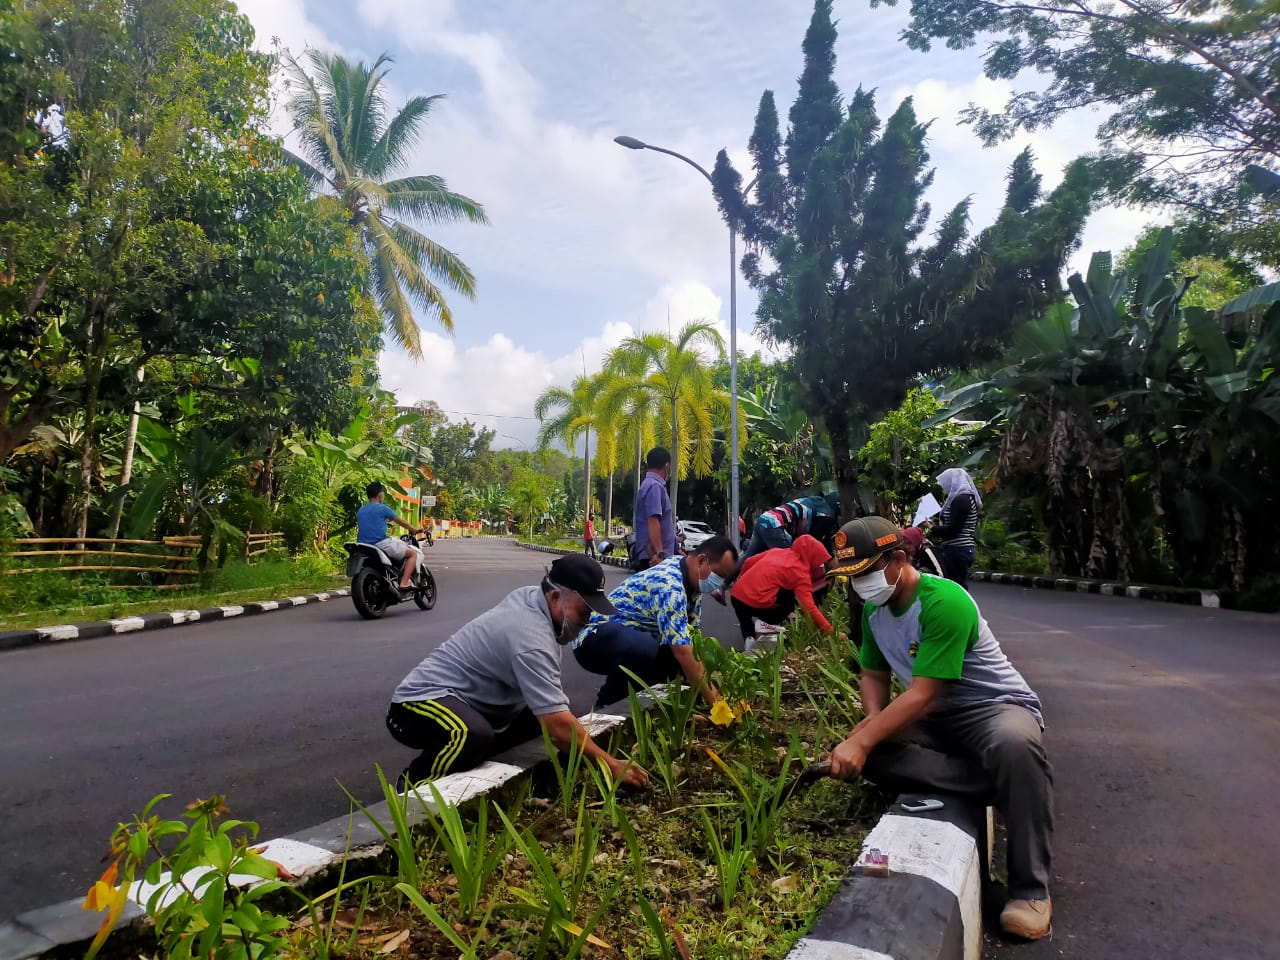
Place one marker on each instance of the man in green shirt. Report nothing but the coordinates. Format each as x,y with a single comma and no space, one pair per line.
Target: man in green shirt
967,722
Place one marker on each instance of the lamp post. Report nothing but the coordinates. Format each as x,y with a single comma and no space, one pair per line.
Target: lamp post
631,143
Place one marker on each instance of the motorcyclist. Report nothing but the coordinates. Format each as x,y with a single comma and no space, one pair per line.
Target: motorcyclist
371,528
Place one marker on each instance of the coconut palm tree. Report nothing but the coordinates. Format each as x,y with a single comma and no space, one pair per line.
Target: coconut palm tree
567,416
670,381
350,147
625,422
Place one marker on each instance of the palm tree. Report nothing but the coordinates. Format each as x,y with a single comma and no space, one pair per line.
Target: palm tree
671,378
350,148
573,418
625,421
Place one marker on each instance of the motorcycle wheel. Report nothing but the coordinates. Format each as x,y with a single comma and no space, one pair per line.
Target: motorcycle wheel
368,593
425,595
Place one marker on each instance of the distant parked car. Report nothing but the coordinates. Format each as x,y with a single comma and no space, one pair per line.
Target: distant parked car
692,533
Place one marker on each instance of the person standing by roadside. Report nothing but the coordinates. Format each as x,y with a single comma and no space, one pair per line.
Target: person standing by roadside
655,526
589,537
956,532
967,722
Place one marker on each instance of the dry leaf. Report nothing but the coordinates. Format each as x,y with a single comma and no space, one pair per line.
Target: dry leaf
785,884
283,872
396,942
682,944
346,919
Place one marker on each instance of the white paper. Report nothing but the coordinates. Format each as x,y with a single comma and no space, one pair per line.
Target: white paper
928,509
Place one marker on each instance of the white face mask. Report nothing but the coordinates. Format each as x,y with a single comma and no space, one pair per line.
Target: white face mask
875,587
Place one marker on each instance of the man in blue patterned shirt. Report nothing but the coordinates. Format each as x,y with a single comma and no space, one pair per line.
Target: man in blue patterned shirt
648,634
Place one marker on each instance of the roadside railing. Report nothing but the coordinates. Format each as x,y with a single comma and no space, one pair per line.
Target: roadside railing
261,544
171,557
169,563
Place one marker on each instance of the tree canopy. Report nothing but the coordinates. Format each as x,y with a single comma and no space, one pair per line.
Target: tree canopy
836,251
1190,91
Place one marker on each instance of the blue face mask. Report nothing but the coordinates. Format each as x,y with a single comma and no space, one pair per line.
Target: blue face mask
713,583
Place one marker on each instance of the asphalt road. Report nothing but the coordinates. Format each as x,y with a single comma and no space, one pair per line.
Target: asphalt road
1164,730
1163,726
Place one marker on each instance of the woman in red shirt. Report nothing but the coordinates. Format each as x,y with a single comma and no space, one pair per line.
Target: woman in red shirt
770,584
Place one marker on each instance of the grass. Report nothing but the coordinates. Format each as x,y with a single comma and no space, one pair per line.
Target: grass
42,600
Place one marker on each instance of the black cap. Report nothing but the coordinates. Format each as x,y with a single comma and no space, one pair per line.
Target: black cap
860,543
585,577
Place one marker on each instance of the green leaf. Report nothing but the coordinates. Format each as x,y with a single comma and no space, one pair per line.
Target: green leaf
1210,341
1262,296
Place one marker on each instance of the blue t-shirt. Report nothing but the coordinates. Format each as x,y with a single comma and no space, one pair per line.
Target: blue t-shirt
652,501
371,522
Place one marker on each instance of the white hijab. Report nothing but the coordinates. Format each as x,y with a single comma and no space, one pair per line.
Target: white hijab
956,481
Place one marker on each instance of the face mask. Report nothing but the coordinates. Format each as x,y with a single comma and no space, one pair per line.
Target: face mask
713,583
875,587
569,627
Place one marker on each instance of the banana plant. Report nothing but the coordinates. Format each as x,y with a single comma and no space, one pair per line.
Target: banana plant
1138,423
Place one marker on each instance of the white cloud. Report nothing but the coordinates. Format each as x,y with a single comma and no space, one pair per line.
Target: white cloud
965,168
495,383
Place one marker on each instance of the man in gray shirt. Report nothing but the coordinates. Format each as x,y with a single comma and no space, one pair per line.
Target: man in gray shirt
496,681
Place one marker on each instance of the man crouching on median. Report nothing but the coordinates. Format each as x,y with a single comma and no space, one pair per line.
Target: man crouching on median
492,684
967,723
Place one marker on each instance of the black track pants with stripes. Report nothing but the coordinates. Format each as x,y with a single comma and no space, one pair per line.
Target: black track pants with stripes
453,736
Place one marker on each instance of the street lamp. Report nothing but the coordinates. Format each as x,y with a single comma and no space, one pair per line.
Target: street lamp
631,143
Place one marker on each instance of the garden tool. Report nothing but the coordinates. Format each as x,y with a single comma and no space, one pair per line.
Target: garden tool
805,779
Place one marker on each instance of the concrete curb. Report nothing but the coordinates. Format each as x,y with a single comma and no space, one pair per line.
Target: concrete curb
306,854
1188,595
38,636
561,551
927,907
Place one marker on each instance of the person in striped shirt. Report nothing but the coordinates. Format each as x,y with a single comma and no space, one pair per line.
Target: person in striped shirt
955,533
778,528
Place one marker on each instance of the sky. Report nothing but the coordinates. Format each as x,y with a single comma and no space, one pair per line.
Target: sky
590,242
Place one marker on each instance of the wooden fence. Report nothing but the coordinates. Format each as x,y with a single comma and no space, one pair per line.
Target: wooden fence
172,561
261,544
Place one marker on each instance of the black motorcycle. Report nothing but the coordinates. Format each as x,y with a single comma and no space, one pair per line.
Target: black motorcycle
375,580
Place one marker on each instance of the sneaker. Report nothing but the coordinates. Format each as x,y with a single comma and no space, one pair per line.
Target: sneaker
718,596
1028,919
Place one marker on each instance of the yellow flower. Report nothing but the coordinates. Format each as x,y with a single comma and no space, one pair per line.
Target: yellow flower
105,895
722,714
103,891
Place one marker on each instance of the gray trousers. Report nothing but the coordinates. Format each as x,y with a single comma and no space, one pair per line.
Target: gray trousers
992,754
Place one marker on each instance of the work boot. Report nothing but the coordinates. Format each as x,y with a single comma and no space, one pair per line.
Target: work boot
1028,919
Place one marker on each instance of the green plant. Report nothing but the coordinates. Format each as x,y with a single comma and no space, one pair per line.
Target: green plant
557,904
466,951
400,838
673,712
473,856
739,678
568,771
198,909
666,950
762,797
730,861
